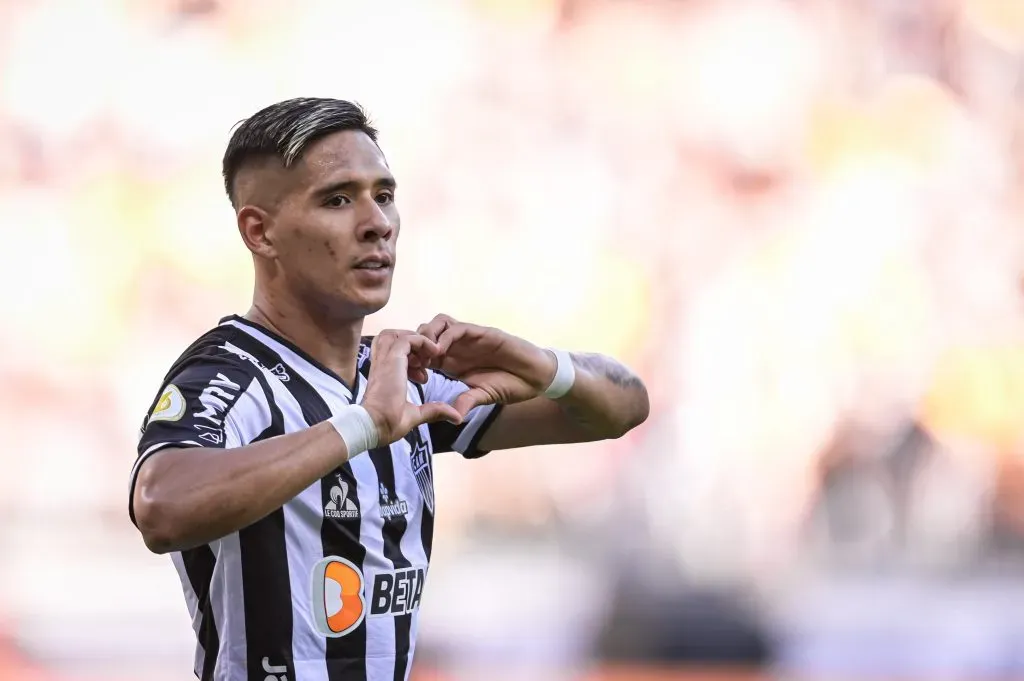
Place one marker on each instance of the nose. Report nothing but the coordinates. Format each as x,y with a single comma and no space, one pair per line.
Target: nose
374,224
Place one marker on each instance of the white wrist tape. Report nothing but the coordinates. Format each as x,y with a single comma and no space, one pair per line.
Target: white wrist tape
565,375
356,427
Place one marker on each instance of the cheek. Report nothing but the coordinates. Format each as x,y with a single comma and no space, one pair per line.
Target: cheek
301,248
329,250
315,245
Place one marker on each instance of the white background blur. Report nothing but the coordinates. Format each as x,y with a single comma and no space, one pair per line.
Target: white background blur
799,221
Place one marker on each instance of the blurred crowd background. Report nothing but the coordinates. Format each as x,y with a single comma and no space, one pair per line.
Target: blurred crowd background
798,220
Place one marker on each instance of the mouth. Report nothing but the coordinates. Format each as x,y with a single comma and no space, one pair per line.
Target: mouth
375,262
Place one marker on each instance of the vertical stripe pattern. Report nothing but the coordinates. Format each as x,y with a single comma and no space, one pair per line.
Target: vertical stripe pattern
261,599
395,524
196,567
340,537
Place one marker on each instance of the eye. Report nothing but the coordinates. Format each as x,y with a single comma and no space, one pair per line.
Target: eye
384,198
337,201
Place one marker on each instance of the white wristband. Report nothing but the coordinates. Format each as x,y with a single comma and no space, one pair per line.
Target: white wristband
565,375
357,429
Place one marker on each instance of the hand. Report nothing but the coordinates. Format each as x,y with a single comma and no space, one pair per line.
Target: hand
397,356
498,367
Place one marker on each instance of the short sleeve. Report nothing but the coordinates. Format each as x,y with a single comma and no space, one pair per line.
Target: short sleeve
214,401
464,438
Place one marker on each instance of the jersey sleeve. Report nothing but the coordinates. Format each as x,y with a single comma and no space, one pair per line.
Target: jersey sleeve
464,438
215,401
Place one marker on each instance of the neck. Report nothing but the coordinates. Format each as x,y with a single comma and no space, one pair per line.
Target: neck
334,343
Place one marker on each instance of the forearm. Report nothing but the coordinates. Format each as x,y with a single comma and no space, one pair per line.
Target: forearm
607,399
188,497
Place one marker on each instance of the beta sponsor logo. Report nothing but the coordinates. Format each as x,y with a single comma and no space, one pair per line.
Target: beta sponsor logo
170,406
396,593
339,595
339,605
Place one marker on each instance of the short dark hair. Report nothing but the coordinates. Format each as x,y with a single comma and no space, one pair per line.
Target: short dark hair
286,129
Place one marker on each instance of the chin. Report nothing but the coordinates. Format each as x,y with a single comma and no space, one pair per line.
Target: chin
368,304
345,306
371,308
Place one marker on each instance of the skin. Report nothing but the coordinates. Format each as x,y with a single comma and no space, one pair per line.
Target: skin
308,227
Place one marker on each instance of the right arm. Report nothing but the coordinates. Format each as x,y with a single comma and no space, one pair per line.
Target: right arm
186,496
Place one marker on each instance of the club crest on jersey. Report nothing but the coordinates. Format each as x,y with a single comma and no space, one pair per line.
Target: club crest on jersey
340,506
170,406
420,459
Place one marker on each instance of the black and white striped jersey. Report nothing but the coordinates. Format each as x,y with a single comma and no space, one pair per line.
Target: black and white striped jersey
328,587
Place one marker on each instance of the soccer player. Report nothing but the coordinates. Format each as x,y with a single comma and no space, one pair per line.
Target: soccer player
286,463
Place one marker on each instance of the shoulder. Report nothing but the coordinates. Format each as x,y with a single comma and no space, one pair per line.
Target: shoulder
217,360
211,375
223,348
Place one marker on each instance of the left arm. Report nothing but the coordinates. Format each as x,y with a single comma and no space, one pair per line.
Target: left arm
606,401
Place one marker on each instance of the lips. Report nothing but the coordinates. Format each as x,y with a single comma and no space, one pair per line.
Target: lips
379,261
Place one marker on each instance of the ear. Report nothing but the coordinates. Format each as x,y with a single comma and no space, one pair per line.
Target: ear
256,227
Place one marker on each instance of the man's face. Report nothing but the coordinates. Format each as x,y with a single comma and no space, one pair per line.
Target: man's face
336,225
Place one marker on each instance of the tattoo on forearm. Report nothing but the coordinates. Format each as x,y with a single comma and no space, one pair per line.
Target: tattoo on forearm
578,415
609,368
607,414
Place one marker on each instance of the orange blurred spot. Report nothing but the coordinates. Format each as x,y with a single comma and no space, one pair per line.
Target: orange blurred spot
978,394
1001,21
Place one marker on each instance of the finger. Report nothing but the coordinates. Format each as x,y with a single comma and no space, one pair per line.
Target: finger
431,329
469,400
431,412
418,375
450,335
384,341
424,348
393,343
435,327
418,361
378,347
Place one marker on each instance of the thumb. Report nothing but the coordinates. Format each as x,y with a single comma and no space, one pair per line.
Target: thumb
472,398
432,412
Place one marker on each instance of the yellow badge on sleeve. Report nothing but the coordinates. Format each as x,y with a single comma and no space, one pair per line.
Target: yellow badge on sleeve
170,406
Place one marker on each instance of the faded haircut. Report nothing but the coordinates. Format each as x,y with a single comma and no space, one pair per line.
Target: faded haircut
286,129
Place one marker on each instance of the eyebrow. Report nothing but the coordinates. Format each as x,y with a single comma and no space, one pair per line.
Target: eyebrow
353,185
